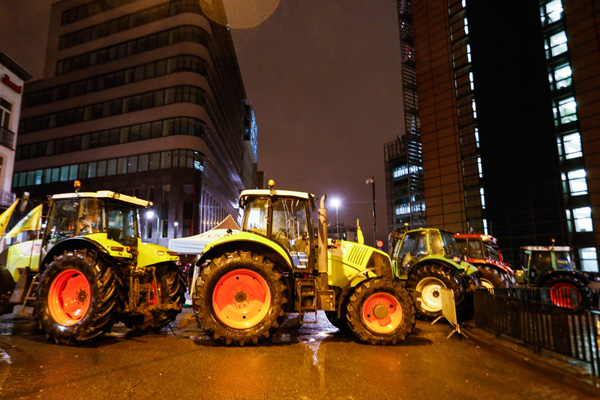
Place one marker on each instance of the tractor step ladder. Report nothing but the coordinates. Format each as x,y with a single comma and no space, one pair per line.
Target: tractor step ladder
306,299
30,296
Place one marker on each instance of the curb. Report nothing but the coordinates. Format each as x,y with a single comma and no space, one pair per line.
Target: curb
552,363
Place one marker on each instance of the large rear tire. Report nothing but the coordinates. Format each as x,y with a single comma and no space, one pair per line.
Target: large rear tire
381,312
561,287
79,298
239,298
493,278
428,281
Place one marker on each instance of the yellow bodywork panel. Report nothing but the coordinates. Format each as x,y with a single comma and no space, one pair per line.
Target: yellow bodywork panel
23,255
250,237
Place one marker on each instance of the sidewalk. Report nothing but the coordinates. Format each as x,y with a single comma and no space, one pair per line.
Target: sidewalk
565,369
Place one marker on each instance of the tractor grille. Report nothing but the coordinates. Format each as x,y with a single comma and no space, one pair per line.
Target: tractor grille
357,255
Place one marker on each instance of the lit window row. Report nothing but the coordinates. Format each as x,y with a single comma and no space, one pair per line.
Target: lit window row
407,208
114,166
128,21
142,101
186,33
115,79
110,137
404,170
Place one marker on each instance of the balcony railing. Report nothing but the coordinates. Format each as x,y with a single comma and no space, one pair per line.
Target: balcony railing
7,138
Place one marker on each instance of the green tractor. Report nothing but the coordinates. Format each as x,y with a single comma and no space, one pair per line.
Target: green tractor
553,267
429,260
249,281
90,270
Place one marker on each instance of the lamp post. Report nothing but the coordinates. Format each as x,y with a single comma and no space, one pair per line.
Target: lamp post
372,181
336,204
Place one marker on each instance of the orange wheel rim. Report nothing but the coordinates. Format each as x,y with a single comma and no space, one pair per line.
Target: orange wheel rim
69,297
560,294
382,313
241,299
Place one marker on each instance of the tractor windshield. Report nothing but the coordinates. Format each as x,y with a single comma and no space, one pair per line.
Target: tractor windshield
255,216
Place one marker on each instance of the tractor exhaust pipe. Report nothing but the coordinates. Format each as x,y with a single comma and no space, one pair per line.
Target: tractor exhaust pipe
322,254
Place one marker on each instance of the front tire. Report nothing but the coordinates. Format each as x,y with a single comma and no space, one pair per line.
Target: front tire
381,312
79,298
428,280
239,298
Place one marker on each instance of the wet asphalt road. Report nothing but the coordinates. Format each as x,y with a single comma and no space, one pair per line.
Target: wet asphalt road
310,362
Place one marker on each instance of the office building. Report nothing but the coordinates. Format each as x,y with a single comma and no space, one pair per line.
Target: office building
12,78
143,98
510,119
403,155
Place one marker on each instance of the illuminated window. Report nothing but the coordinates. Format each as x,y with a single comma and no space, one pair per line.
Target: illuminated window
569,146
557,44
576,182
5,110
565,111
551,12
589,259
466,22
468,53
560,76
482,196
582,217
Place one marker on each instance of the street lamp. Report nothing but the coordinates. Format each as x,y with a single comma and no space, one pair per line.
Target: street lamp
372,181
336,204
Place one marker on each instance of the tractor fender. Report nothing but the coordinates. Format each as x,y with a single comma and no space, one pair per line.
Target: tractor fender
564,273
70,244
283,263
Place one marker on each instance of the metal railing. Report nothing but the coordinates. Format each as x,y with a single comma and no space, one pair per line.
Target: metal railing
7,138
563,322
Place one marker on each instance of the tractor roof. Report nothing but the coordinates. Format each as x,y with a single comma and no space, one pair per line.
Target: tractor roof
104,194
484,238
274,193
546,248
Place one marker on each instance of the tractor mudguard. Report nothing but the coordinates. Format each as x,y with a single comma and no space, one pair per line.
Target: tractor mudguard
248,242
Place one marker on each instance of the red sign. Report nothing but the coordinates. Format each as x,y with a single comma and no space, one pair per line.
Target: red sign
6,80
379,244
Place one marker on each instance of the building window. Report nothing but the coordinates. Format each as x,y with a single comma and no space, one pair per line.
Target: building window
582,218
565,111
575,182
551,12
569,146
589,259
560,76
557,44
5,110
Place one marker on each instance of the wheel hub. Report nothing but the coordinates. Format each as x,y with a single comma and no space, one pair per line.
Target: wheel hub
380,311
82,296
240,297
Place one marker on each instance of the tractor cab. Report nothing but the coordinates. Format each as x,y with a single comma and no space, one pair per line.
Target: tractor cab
283,217
102,216
539,260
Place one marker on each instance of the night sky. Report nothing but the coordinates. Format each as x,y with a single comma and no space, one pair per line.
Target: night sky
323,77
